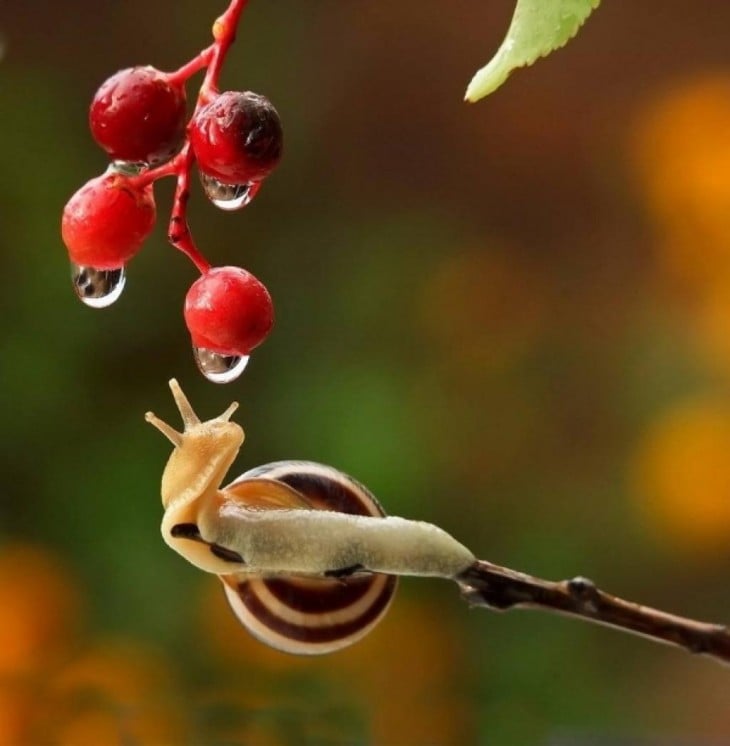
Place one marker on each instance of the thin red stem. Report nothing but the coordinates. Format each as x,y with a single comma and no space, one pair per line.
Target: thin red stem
178,232
149,176
199,62
224,33
212,57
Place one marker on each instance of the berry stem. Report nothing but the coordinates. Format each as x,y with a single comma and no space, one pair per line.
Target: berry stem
199,62
178,231
171,168
224,33
212,57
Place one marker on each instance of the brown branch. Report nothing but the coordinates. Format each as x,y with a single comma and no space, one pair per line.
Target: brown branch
499,588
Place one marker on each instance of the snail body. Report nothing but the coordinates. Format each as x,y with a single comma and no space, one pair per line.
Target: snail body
307,557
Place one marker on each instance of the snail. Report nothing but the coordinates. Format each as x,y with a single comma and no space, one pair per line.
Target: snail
307,557
309,561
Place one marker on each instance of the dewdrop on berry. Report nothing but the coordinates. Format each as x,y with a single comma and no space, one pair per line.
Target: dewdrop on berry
219,368
104,225
97,288
237,141
228,196
228,312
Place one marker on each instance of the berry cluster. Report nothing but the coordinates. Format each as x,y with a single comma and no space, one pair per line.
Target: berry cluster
139,117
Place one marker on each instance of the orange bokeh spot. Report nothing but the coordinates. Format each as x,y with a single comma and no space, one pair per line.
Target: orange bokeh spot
405,676
111,693
711,326
681,476
97,727
682,157
90,729
121,672
409,673
117,692
17,713
700,703
41,611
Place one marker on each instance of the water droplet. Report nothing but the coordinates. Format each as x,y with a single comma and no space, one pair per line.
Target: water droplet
127,168
97,288
228,196
219,368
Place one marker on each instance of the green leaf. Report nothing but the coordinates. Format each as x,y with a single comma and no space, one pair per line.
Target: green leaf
538,27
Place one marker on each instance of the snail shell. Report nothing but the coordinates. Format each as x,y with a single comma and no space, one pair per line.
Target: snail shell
304,615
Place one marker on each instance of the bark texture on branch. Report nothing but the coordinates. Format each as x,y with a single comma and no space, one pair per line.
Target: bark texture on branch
499,588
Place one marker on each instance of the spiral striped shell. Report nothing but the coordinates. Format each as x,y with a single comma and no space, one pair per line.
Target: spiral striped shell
311,616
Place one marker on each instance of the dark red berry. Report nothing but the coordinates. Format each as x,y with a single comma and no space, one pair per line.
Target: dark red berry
228,311
138,115
106,222
237,137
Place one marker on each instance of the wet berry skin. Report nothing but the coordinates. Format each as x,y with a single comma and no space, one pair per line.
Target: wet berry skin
138,115
237,138
228,311
105,223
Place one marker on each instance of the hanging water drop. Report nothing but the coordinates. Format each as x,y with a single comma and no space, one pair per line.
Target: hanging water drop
97,288
219,368
228,196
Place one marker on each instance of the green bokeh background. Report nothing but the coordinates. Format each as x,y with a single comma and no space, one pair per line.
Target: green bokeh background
507,410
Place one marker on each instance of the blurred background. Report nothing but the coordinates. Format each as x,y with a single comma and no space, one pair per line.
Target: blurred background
510,318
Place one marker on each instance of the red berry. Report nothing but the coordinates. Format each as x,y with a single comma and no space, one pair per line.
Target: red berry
138,115
228,311
237,137
106,222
